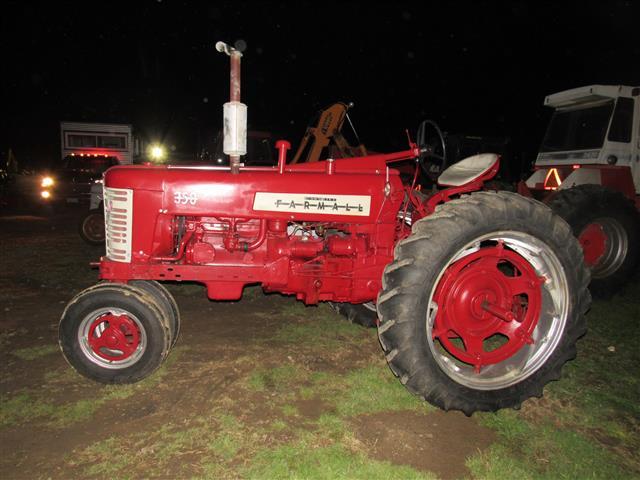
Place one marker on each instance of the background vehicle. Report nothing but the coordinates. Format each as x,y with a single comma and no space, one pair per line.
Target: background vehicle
325,139
70,181
481,296
588,171
101,139
87,150
91,226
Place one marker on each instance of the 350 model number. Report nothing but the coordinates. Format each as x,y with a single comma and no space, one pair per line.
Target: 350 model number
184,198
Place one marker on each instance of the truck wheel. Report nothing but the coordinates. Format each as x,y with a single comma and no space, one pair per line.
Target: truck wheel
91,227
607,225
483,303
364,314
114,333
166,301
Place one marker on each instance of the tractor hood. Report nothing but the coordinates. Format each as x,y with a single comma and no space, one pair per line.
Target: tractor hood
302,192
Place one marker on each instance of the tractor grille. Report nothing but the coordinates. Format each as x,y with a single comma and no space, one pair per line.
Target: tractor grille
118,216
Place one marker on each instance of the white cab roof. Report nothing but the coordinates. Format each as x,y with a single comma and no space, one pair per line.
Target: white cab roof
588,94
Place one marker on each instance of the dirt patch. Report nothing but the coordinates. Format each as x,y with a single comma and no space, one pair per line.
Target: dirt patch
312,408
438,442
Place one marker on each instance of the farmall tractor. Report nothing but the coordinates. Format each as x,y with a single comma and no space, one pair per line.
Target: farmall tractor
588,172
480,296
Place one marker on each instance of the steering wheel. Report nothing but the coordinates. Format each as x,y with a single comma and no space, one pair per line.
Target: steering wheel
432,161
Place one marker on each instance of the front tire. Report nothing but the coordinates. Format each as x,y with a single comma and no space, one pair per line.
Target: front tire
607,225
483,303
166,301
114,333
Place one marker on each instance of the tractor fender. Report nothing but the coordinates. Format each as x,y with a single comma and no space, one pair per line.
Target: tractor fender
537,178
582,176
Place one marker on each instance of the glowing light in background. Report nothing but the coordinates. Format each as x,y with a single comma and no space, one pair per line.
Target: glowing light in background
157,152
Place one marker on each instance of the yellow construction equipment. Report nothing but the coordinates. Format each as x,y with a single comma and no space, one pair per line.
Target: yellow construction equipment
324,133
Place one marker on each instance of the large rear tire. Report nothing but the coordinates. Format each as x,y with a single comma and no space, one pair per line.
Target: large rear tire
607,225
114,333
483,303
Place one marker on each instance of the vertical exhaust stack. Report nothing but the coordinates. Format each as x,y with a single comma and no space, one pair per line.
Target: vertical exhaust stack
234,112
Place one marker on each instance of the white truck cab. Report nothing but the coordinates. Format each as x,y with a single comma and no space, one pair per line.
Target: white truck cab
596,126
588,172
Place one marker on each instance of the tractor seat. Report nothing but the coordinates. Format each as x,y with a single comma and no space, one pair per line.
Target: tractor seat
467,170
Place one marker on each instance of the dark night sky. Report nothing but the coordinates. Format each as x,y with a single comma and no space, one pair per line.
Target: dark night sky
475,67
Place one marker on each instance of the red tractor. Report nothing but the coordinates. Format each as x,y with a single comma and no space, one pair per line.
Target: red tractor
480,296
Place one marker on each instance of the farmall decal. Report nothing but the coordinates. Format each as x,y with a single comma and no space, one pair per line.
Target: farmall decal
319,203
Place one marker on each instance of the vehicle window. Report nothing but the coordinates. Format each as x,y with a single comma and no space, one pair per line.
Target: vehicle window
577,129
622,123
111,141
82,140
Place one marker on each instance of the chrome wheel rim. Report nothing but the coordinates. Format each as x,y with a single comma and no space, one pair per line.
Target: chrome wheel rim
615,250
548,330
127,346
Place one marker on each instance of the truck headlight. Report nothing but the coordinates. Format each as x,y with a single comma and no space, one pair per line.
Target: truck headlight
47,182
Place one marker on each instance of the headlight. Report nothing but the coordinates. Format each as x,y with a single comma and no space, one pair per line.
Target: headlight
45,194
157,153
47,182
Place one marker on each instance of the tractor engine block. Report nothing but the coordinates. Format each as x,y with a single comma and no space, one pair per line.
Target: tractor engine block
318,235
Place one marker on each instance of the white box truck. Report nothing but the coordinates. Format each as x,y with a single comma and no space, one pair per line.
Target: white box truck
98,140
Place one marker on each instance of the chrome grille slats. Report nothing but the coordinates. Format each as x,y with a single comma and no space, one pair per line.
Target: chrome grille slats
118,217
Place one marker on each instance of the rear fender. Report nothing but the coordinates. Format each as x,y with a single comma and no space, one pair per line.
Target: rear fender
582,176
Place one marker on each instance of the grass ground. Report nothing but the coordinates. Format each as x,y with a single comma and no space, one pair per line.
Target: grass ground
268,388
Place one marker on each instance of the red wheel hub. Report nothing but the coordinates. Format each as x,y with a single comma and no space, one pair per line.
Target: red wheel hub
491,292
114,337
593,240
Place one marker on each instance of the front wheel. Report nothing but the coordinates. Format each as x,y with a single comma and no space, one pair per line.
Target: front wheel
91,227
165,300
114,333
483,303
